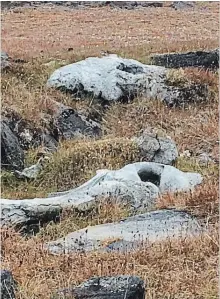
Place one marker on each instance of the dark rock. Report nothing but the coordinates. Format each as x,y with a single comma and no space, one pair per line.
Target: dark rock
206,59
61,122
71,124
26,132
14,4
118,287
12,155
8,285
195,93
133,4
150,4
81,4
30,136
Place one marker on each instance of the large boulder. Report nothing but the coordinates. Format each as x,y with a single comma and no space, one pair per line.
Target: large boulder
126,188
128,234
112,78
136,185
206,59
141,182
8,285
166,177
109,287
12,155
157,149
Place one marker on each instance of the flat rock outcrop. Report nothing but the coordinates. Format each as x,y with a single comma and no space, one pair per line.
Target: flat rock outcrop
128,234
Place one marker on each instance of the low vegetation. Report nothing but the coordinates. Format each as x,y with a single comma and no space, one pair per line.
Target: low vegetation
172,269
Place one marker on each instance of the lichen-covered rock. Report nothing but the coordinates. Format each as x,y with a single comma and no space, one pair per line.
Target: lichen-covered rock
137,185
108,287
156,149
166,177
112,78
128,234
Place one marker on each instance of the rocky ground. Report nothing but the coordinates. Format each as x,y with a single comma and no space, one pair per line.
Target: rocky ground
109,149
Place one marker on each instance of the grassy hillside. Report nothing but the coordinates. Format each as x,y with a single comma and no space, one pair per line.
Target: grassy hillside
171,269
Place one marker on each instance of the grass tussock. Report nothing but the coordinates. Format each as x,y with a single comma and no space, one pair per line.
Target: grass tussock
73,164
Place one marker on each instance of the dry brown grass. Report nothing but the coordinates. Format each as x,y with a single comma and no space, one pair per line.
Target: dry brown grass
203,201
178,269
194,128
134,33
74,163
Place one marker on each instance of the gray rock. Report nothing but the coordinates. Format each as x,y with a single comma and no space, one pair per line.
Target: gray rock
8,285
156,149
166,177
12,155
136,194
137,185
112,78
206,59
178,5
126,188
205,159
32,171
4,60
133,232
108,287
